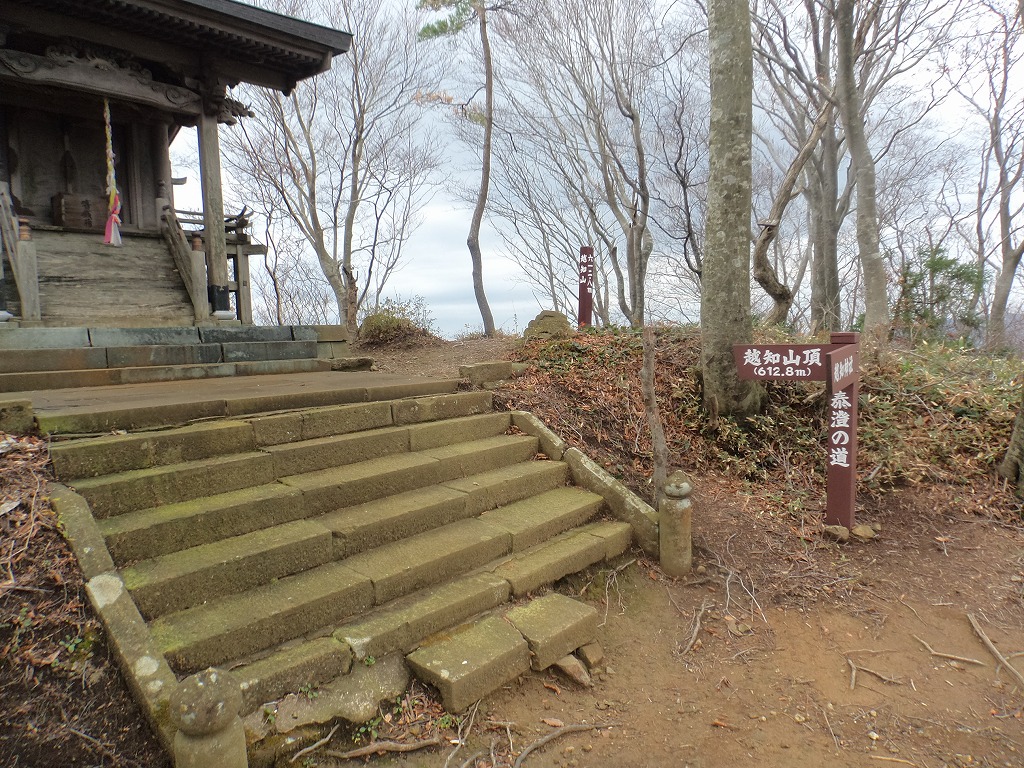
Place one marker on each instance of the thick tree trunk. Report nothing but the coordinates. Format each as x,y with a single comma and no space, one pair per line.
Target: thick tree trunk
876,305
473,239
725,288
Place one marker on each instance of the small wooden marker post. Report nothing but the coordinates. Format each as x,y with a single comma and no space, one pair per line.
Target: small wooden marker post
586,304
836,364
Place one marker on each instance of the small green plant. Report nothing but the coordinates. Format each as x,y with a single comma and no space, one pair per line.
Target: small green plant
368,730
307,691
447,721
270,714
369,661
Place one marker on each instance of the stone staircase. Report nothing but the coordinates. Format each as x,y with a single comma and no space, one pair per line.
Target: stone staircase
287,547
59,358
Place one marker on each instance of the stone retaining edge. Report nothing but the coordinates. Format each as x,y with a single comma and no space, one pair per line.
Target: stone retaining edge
142,664
587,474
622,502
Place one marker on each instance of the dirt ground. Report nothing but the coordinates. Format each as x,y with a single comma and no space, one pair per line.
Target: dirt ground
781,649
808,652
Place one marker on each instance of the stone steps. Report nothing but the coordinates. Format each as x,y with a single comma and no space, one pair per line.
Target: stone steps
288,546
36,359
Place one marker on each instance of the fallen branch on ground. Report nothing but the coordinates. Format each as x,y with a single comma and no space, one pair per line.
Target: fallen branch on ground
379,747
696,627
949,656
315,745
855,668
556,734
993,650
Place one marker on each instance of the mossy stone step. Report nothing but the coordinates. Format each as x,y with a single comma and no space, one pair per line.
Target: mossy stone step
170,528
379,522
111,454
332,489
538,518
248,622
399,626
143,488
184,579
567,553
336,451
473,663
430,557
476,660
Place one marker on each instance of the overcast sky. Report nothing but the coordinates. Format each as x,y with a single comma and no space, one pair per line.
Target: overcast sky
436,267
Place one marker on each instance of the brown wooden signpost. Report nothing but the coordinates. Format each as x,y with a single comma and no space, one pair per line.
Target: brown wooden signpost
835,363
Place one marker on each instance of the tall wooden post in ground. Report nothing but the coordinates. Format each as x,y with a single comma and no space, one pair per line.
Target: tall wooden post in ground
213,209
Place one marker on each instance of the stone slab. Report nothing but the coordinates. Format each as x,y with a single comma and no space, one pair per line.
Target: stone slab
482,373
163,354
405,622
140,489
327,333
457,430
542,516
186,578
261,618
43,338
173,527
429,558
134,337
554,626
488,490
420,409
253,351
81,531
551,561
17,417
308,664
382,521
337,450
344,419
471,664
121,453
248,333
29,360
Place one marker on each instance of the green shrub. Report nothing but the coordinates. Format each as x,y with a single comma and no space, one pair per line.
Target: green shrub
398,321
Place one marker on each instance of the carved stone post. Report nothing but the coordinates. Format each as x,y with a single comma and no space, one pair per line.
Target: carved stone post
674,526
213,208
204,709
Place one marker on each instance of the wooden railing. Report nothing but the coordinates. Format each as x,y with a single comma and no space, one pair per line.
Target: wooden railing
184,231
21,255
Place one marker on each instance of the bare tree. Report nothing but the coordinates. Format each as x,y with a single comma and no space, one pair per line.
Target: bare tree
461,15
344,157
861,65
997,98
579,103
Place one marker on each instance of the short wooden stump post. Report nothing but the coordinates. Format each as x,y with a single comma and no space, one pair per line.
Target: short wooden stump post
675,526
204,710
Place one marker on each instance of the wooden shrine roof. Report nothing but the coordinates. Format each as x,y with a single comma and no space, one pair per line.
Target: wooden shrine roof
241,42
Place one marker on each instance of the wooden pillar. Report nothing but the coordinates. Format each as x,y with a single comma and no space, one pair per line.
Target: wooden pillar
213,215
162,165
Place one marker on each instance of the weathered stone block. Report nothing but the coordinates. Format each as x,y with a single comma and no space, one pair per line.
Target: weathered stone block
554,626
473,663
16,417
